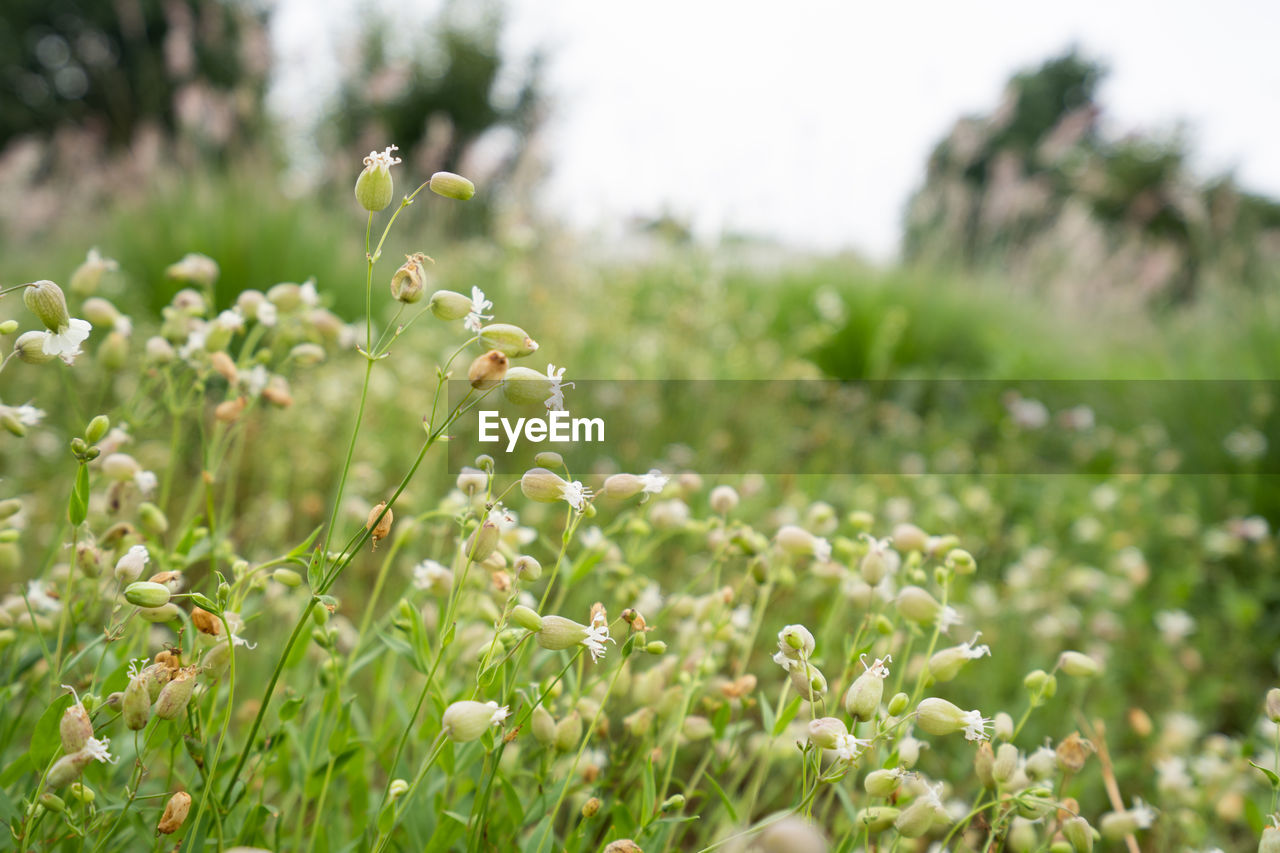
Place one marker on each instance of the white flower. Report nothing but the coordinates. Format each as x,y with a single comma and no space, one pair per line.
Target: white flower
597,636
555,398
474,321
385,159
821,549
848,747
145,481
976,725
255,379
499,714
97,749
267,313
972,652
26,414
1143,814
136,666
650,599
65,343
428,573
231,319
575,495
41,599
307,292
933,795
947,617
1174,625
132,563
593,538
195,340
877,667
123,325
654,482
236,624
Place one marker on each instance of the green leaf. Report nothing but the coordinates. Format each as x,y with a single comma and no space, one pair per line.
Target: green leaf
1271,776
302,547
46,740
724,798
766,712
203,601
315,571
78,506
289,708
788,714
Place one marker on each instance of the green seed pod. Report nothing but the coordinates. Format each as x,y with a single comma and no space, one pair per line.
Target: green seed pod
863,697
1079,834
97,429
80,793
135,708
175,695
483,542
544,726
30,348
548,459
288,577
46,300
877,818
449,305
164,613
449,185
511,341
1022,837
374,187
882,783
917,818
558,633
525,386
1005,764
147,594
527,568
657,647
526,618
8,327
465,721
826,732
569,732
1078,665
68,768
113,354
918,605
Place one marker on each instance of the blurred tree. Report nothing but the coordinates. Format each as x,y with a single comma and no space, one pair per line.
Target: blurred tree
114,68
1036,190
439,91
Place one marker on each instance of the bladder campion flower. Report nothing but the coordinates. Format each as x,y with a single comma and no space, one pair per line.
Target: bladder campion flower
466,720
375,187
597,636
940,717
65,333
475,315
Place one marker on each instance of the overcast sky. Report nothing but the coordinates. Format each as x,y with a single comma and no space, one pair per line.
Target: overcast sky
811,121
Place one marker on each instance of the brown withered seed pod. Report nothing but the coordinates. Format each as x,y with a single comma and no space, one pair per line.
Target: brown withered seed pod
488,370
383,526
175,813
205,622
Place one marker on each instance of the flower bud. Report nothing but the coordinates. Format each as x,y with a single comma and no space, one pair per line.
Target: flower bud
825,732
916,819
96,429
657,647
940,717
380,526
723,500
1041,764
374,187
488,370
1041,682
147,594
287,577
527,568
175,695
449,305
75,728
558,633
135,707
862,700
167,612
544,725
525,386
908,537
807,680
543,486
796,641
483,542
526,618
175,813
1079,834
569,732
409,282
80,793
918,605
453,186
1005,764
898,704
882,783
1078,665
984,765
961,562
46,300
1022,836
877,818
511,340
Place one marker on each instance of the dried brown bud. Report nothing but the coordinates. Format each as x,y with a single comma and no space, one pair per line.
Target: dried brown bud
230,410
383,524
205,622
225,367
175,813
488,370
170,659
277,392
1073,752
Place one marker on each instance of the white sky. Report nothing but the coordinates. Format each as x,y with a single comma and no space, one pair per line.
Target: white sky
811,121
